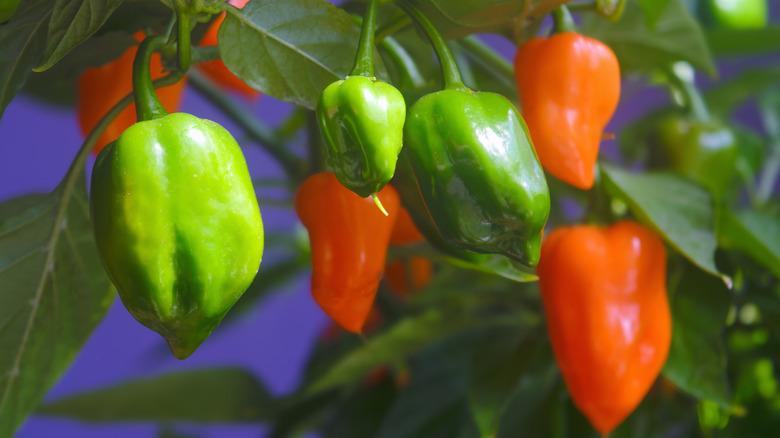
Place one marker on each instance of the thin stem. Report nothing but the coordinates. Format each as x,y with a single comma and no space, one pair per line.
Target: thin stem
769,173
563,20
378,204
147,104
364,60
411,74
452,80
183,44
399,22
682,78
291,163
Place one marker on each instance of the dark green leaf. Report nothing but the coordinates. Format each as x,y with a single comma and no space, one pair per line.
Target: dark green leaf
22,40
290,49
697,357
301,413
434,404
54,293
675,37
744,42
679,209
456,19
72,22
361,415
755,233
199,396
405,338
726,97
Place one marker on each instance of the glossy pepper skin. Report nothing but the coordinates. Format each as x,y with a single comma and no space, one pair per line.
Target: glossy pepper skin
703,151
415,273
99,89
216,69
738,14
349,238
477,173
608,318
569,88
177,225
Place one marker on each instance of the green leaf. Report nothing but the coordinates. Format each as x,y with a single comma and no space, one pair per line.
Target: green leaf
403,339
676,36
697,357
744,42
434,403
72,22
54,293
679,209
755,233
726,97
198,396
456,19
653,10
22,40
361,414
290,49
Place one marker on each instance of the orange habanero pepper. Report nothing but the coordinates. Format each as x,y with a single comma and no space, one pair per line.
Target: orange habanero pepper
398,272
349,238
569,87
216,69
608,318
99,89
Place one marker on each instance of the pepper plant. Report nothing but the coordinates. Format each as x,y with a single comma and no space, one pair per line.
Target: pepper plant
585,273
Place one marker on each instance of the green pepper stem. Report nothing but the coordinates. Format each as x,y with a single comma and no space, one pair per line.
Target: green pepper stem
497,64
183,44
452,80
379,204
364,60
147,104
682,79
563,20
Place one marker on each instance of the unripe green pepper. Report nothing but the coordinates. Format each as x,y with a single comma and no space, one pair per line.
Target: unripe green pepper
737,14
475,166
176,220
705,151
361,120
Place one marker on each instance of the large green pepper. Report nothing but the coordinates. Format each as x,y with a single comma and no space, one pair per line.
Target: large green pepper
176,219
475,166
704,151
361,120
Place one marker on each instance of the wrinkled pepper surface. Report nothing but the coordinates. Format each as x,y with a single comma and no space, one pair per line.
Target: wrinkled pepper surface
474,165
99,89
361,120
349,237
704,151
608,317
176,219
216,69
569,87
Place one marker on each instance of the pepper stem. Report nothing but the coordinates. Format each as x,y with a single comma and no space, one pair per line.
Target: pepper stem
379,204
452,80
364,60
563,20
682,80
147,104
183,45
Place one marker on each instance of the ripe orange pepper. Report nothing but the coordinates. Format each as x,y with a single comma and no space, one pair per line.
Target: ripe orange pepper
419,269
608,318
349,238
569,87
99,89
216,69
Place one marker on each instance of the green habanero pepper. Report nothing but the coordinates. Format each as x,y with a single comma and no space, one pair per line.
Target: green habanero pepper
361,120
705,151
475,166
736,14
176,218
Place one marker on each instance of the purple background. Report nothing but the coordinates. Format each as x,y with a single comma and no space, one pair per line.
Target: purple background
37,144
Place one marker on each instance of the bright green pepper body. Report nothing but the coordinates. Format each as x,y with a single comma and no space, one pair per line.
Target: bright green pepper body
177,225
478,173
361,120
737,14
703,151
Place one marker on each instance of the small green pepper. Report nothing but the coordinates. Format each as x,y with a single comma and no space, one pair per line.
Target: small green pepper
176,220
475,166
361,120
737,14
704,151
